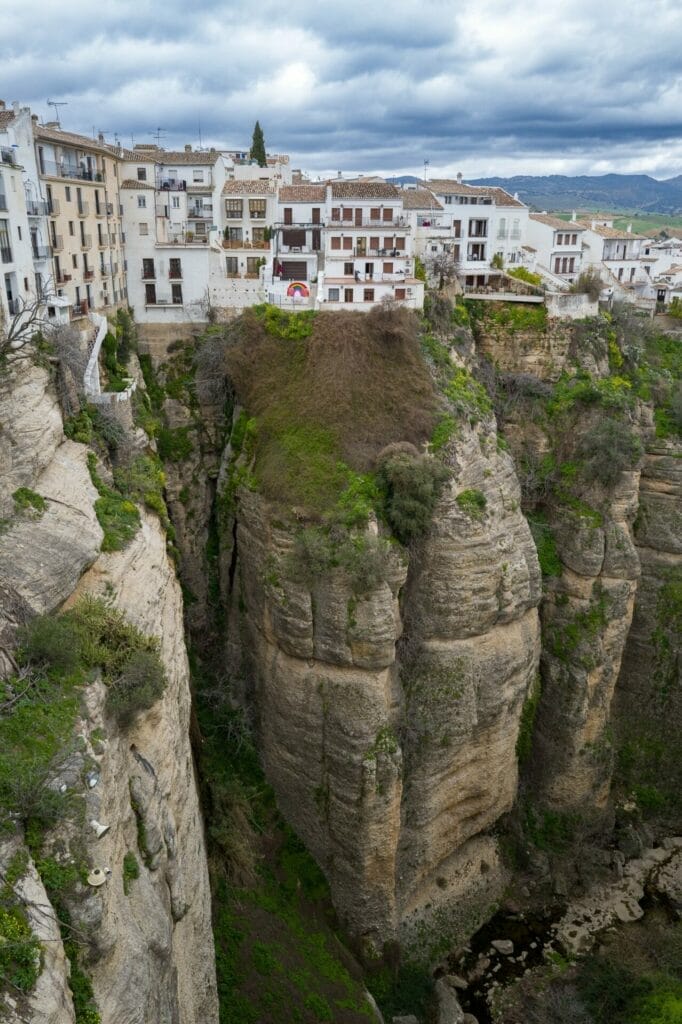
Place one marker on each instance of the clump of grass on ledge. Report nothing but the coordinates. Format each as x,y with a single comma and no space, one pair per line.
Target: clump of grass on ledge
328,392
25,499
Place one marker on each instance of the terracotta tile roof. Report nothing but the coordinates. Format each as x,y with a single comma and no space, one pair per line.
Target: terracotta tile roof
528,248
249,188
363,190
447,187
604,232
6,117
170,157
132,183
71,139
557,222
199,189
419,199
302,193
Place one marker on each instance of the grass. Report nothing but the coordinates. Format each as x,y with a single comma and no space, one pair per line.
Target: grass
328,392
472,503
117,515
548,556
25,499
131,871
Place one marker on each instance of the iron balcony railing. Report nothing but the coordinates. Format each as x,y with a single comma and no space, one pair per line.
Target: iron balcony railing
6,253
83,209
200,213
3,201
57,243
41,252
37,207
86,241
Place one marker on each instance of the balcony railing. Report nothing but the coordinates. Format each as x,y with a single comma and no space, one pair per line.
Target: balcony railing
6,253
200,213
384,253
230,243
3,201
110,209
57,243
171,185
41,252
175,275
86,241
83,209
149,275
102,242
62,278
88,275
368,222
13,306
53,207
37,207
64,170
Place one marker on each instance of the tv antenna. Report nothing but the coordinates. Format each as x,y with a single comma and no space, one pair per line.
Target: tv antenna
426,170
57,104
158,134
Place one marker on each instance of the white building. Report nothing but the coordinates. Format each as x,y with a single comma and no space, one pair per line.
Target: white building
615,252
558,246
486,222
368,248
297,246
431,227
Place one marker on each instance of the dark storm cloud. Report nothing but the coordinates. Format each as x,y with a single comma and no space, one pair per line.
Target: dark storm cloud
482,85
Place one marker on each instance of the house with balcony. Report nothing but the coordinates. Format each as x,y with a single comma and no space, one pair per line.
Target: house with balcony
487,221
247,216
368,248
435,239
616,253
558,246
297,246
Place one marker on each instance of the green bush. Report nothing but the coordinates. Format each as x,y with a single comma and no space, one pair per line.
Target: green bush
52,643
139,685
411,486
548,556
19,951
131,871
607,450
521,274
25,498
174,443
116,514
524,740
472,503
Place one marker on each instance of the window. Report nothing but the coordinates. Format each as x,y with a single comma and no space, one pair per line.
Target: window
233,208
375,213
336,215
478,229
252,265
288,215
400,293
144,229
457,228
557,264
175,202
333,294
368,295
387,268
388,242
388,215
67,193
141,173
26,283
347,214
234,235
142,202
197,175
257,208
148,269
150,294
74,260
71,230
316,214
348,269
176,294
175,267
258,235
400,243
347,242
232,266
19,232
374,241
574,239
336,242
347,294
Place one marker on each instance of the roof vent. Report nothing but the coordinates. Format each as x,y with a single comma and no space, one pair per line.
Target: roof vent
188,148
459,177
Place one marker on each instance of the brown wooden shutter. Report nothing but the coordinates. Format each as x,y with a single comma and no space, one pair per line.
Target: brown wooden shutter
348,242
388,215
336,242
288,215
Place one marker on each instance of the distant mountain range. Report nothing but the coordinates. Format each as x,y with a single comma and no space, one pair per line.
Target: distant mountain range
630,193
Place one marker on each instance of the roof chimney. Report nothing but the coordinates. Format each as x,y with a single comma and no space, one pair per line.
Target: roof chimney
574,216
338,174
100,137
188,148
34,118
516,196
16,106
629,229
459,177
51,124
3,105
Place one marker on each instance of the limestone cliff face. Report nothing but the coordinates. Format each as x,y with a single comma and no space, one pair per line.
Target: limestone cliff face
387,717
149,953
647,704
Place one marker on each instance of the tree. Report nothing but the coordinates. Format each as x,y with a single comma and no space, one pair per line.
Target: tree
258,146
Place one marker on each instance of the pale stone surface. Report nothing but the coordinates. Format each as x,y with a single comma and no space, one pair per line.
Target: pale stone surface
154,947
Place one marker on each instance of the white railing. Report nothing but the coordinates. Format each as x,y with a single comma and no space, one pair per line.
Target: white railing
91,380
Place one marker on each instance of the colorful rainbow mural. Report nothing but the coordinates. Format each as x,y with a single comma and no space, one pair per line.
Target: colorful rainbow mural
298,290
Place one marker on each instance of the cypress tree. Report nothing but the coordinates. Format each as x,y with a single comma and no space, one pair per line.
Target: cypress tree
258,146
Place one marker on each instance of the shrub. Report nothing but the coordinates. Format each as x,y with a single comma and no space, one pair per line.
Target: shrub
51,642
521,274
19,950
411,486
116,514
472,503
25,498
174,443
131,871
588,283
469,398
139,685
607,450
524,740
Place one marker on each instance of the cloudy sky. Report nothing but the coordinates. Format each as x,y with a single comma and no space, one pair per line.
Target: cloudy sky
481,86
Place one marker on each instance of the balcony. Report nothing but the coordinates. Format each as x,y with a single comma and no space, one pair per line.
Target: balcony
88,275
63,278
102,243
83,209
200,213
51,169
175,275
6,254
41,252
229,243
86,241
171,185
363,252
7,156
367,222
53,208
149,275
37,208
57,243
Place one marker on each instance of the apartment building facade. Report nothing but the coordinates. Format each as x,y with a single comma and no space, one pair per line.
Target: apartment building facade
558,246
